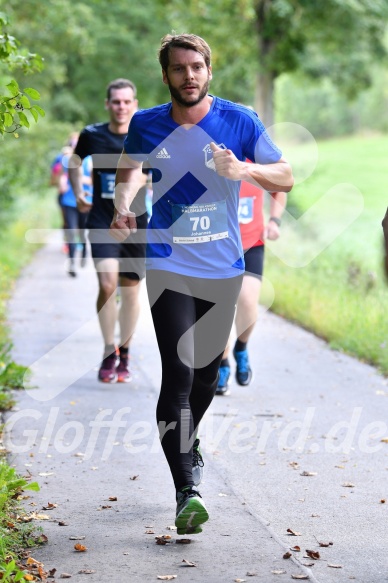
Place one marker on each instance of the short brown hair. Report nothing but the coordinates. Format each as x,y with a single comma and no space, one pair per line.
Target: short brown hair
183,41
120,84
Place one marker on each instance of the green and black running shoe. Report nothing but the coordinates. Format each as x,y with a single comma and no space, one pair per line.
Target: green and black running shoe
190,511
197,464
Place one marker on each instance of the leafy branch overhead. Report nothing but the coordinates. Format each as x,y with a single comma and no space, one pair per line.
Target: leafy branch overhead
15,105
13,109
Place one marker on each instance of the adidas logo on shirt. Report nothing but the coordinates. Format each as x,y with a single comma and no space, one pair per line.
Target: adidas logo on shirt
163,154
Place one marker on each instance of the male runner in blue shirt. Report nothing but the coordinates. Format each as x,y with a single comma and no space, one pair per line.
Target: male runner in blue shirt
196,145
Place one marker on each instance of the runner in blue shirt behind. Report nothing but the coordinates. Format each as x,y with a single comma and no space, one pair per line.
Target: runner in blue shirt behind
196,146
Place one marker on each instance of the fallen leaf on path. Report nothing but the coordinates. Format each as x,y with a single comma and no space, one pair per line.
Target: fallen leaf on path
251,574
335,566
308,564
80,537
35,516
61,523
296,549
301,577
287,555
134,477
183,541
188,563
240,580
347,485
31,561
64,576
149,532
45,474
42,539
167,577
382,501
80,548
86,571
163,539
50,506
113,498
294,465
313,554
309,474
321,544
293,532
221,494
51,573
279,572
171,527
384,440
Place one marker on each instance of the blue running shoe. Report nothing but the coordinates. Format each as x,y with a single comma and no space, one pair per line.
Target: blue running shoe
190,512
243,370
223,381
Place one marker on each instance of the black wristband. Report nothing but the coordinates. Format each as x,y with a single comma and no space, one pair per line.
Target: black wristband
276,220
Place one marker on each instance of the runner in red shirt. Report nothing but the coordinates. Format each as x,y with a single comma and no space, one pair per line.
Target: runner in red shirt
253,234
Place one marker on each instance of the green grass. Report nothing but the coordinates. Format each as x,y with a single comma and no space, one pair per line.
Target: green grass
15,252
342,294
15,534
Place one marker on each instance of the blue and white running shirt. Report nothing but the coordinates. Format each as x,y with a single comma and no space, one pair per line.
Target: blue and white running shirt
194,225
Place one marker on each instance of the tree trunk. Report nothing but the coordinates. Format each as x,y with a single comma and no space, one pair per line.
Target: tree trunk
266,43
264,97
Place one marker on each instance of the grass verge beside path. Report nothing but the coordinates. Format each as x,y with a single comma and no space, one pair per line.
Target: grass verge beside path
17,532
341,294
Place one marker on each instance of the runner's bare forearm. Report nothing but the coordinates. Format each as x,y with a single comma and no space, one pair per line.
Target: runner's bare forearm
76,178
128,183
272,177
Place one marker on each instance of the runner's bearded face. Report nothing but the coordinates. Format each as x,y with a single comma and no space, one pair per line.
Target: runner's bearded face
187,77
121,106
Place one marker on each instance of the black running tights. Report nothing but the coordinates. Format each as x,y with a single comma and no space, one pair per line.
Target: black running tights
192,319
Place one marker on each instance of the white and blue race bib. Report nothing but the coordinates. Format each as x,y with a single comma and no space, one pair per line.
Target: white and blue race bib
199,223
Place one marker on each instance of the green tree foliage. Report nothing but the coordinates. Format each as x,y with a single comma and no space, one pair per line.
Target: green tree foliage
254,43
338,39
15,105
228,26
128,35
89,43
64,29
327,112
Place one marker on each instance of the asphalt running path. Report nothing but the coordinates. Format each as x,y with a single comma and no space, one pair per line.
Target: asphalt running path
302,449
